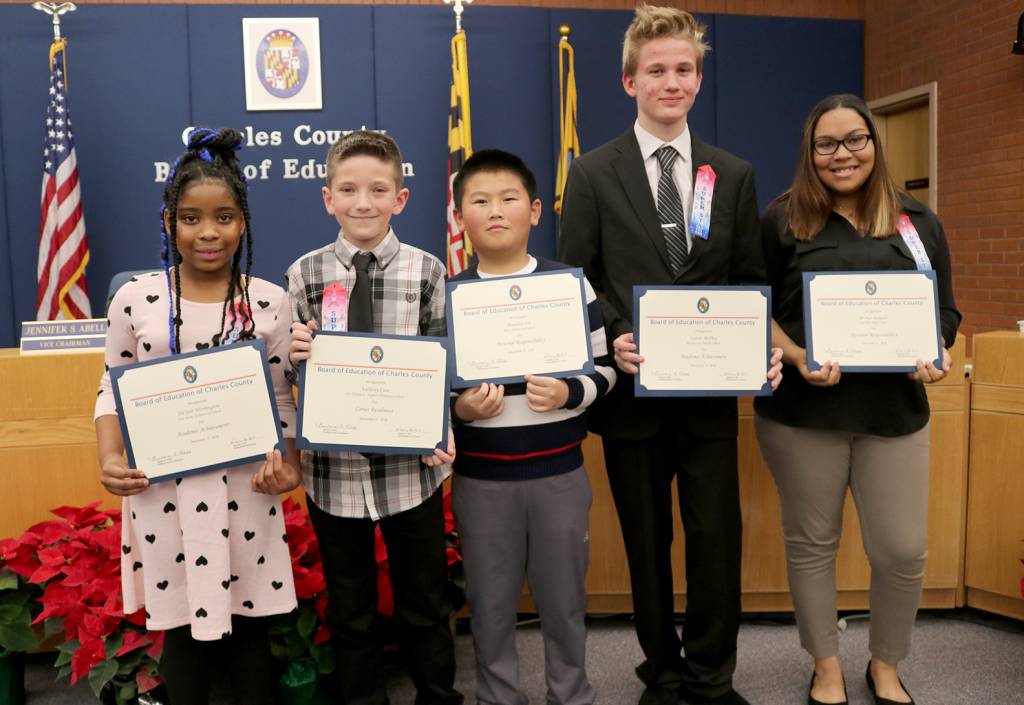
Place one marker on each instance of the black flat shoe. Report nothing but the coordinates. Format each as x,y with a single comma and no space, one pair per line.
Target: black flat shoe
886,701
812,701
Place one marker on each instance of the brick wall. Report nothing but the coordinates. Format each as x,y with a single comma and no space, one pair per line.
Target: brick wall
965,47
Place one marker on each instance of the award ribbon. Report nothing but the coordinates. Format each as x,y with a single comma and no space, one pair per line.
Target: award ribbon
703,191
909,234
334,307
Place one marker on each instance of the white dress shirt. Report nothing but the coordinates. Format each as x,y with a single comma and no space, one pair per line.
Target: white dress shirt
682,170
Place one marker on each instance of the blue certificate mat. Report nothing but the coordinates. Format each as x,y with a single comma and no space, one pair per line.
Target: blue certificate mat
872,321
504,328
369,393
198,411
702,341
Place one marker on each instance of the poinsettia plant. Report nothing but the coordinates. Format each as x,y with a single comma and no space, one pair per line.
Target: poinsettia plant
76,561
300,639
65,574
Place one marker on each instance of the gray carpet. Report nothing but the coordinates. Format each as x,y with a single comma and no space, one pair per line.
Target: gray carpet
959,658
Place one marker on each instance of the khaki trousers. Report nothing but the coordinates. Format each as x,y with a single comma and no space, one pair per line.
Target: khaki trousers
889,480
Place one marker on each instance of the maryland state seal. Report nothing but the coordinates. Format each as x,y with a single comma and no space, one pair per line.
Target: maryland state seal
282,63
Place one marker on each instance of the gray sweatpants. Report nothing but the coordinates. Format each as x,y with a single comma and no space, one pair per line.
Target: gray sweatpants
889,481
533,529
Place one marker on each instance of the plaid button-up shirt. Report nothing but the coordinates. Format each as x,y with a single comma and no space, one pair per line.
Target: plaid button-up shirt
408,299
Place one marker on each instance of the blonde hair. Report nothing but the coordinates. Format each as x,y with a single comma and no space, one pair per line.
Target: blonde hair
368,142
809,202
651,22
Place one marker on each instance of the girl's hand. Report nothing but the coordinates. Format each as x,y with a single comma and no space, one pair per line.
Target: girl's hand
119,479
775,373
827,376
545,393
483,402
275,476
625,354
302,342
927,372
440,457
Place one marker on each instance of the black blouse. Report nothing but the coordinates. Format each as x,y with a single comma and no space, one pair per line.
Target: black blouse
881,404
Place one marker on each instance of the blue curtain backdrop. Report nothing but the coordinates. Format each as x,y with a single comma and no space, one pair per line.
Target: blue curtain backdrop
139,75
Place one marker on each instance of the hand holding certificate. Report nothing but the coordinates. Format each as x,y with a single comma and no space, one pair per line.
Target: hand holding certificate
702,341
374,394
871,321
504,328
197,412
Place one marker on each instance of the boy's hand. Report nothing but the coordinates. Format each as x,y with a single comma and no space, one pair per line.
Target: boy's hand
302,342
275,476
483,402
440,457
625,354
117,478
546,393
775,373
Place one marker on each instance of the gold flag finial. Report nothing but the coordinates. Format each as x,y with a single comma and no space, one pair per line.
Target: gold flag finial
565,30
55,10
458,9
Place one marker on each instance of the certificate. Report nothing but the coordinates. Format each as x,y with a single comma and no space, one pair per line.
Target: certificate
197,412
871,321
374,394
710,341
504,328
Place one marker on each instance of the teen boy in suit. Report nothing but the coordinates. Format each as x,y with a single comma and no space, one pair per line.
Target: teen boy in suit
659,206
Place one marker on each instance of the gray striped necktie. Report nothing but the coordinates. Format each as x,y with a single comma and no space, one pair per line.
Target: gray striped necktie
670,209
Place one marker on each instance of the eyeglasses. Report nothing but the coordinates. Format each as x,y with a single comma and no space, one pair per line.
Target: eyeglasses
827,146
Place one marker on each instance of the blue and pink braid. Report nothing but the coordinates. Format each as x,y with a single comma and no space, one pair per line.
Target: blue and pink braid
210,155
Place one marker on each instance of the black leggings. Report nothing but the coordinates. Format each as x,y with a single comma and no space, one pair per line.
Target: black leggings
188,666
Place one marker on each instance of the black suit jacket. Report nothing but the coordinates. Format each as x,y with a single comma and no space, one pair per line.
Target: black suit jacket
610,228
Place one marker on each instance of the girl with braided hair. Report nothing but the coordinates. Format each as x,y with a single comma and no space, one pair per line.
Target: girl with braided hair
204,554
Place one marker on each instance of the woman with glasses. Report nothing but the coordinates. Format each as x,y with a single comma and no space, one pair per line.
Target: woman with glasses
824,431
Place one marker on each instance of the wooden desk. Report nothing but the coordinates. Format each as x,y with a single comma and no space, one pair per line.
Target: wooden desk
765,584
995,512
47,445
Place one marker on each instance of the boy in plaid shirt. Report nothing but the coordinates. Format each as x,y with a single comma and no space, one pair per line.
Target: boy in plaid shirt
392,288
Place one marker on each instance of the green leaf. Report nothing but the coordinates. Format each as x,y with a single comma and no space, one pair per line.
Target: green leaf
299,674
70,646
14,637
52,627
101,674
8,579
126,693
63,659
14,614
307,622
113,644
64,672
324,656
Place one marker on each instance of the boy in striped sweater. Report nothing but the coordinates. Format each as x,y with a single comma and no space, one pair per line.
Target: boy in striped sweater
521,495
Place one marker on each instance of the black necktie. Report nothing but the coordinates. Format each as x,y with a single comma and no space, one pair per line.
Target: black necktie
360,305
670,209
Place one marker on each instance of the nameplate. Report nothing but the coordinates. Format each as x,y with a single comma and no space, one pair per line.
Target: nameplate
62,337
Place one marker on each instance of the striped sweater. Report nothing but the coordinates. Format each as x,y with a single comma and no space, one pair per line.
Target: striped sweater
520,444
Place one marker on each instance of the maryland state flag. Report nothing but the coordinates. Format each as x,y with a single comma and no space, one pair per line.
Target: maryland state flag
570,139
460,147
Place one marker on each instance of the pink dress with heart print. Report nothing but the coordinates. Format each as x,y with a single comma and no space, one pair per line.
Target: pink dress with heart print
199,549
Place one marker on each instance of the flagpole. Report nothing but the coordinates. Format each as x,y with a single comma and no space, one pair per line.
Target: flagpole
55,10
458,9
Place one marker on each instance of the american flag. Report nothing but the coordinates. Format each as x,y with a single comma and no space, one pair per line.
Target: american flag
63,247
